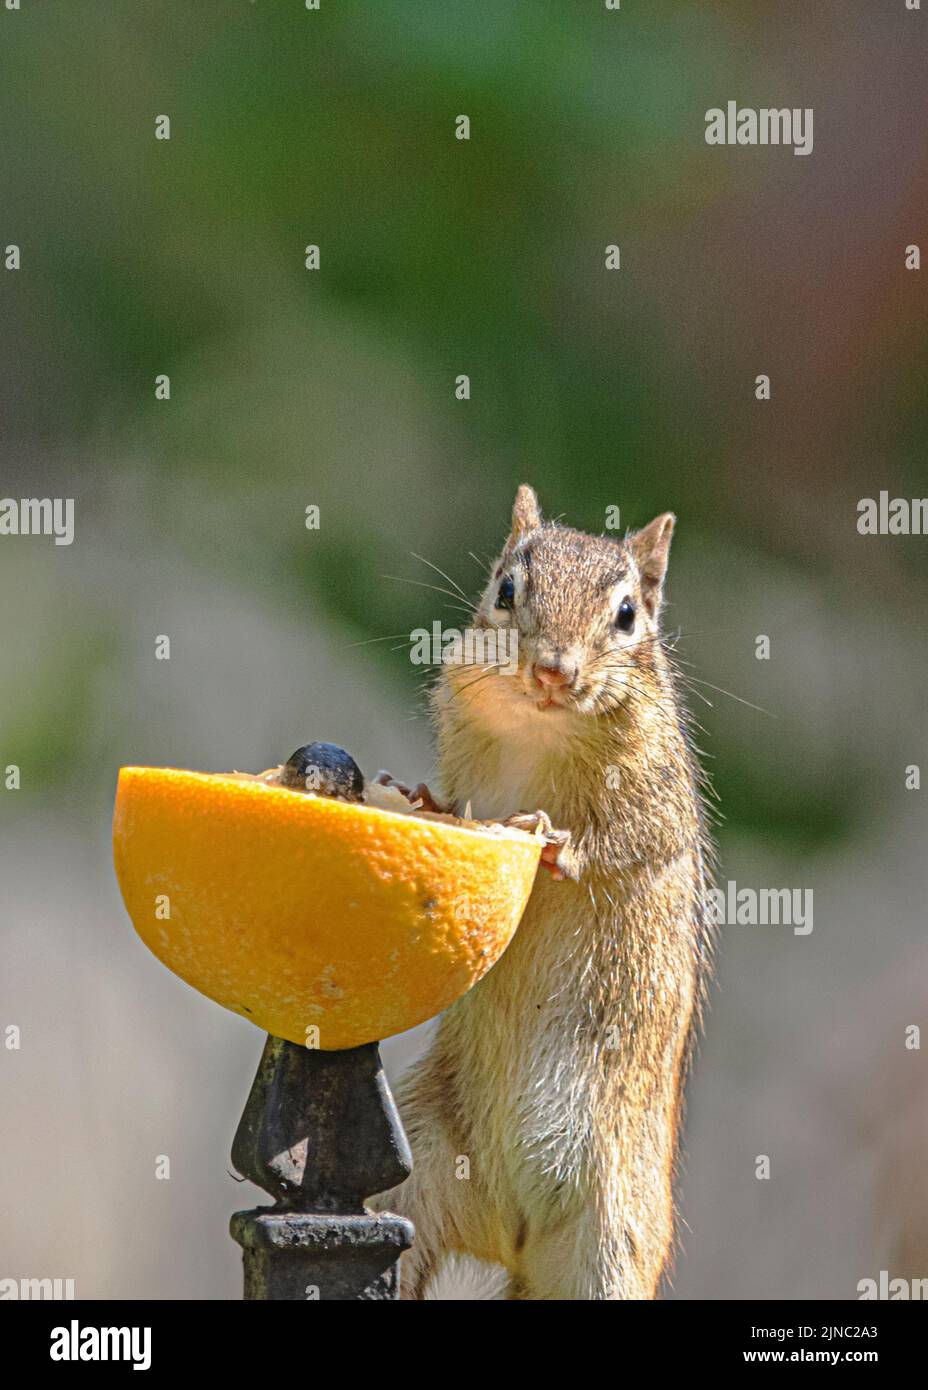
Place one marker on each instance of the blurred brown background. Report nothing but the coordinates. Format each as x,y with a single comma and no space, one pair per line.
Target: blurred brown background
336,388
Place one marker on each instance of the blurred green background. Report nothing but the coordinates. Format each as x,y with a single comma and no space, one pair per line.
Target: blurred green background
336,387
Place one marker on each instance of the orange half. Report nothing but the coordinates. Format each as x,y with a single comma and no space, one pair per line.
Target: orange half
302,913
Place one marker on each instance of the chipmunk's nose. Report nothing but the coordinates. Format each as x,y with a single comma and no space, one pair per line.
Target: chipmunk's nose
555,677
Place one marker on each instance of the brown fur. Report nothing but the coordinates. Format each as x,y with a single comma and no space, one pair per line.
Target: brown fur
544,1121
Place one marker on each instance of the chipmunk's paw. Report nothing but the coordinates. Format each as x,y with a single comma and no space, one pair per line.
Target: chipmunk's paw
558,857
419,794
556,854
533,823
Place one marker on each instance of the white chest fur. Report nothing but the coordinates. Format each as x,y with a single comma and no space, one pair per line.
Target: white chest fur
516,769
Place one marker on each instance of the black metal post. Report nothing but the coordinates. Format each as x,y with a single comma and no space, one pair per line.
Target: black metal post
320,1133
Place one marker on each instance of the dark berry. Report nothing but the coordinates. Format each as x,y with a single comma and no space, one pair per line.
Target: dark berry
324,768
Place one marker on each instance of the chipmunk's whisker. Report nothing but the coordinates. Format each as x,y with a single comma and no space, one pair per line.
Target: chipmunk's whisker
486,671
699,695
421,584
453,582
648,696
691,680
390,637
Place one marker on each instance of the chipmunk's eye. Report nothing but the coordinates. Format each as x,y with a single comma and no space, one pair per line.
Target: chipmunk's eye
507,592
626,617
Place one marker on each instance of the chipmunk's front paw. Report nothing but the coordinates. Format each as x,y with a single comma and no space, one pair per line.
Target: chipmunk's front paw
419,794
556,854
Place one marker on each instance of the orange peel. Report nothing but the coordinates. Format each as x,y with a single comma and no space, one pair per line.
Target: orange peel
327,923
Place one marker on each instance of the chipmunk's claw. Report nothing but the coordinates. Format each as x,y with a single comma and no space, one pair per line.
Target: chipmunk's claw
420,794
386,779
555,853
532,822
553,859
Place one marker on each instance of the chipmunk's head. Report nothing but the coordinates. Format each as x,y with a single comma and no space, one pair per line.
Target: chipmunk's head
582,613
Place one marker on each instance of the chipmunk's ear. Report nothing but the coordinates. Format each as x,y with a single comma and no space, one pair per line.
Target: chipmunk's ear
526,513
651,549
526,516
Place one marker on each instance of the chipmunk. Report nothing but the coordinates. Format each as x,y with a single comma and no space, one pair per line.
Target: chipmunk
560,1076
